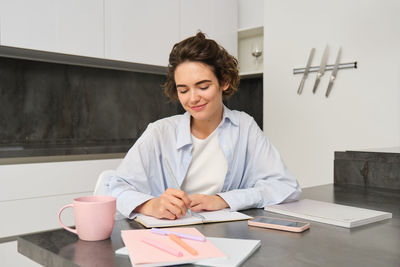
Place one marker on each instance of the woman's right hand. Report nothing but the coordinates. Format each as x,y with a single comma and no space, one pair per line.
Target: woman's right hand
172,204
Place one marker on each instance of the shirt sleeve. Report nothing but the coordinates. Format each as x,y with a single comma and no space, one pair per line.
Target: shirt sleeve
130,185
265,179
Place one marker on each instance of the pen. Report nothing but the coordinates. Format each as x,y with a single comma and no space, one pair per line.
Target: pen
162,247
186,236
175,181
180,242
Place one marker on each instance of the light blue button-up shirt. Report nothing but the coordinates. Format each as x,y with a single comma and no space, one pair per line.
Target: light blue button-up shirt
256,174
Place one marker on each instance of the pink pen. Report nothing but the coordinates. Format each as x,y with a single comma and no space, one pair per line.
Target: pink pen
162,247
181,235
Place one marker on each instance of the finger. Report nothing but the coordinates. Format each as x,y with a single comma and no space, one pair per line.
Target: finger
179,194
169,210
175,205
197,208
196,199
161,210
194,203
172,191
197,202
168,215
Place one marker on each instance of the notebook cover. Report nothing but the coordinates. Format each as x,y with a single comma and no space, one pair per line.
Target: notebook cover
142,254
330,213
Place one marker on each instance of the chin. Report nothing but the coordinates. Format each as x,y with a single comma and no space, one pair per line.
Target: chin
198,116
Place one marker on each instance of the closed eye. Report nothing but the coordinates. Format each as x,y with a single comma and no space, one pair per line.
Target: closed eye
182,91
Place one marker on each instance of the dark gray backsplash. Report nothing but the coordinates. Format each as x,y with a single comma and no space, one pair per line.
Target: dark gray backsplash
59,109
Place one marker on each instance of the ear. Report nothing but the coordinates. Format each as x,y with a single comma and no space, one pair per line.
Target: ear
224,86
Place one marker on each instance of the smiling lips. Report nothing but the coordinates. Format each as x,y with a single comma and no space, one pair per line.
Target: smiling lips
199,107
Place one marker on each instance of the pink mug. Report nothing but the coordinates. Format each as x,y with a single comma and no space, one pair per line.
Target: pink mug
94,217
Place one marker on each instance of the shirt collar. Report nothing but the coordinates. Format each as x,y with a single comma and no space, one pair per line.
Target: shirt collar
183,131
183,134
230,115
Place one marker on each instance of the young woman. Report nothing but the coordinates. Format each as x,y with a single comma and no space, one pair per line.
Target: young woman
209,158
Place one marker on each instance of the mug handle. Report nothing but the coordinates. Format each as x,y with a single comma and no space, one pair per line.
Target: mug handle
62,224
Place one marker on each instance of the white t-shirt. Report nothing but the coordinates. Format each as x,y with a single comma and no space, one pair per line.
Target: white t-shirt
208,167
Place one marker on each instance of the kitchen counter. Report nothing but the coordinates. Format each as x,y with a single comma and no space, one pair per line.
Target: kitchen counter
369,168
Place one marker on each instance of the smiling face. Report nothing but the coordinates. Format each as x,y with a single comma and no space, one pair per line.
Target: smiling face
199,92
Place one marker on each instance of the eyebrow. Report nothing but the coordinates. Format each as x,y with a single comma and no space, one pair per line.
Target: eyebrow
199,82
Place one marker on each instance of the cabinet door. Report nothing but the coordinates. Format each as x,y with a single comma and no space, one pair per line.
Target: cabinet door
29,24
80,29
218,19
71,27
141,31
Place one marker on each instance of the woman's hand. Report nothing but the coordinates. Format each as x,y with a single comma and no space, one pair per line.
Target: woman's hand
172,204
201,202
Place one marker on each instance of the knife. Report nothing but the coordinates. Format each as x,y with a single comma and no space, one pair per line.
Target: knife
306,71
334,73
321,70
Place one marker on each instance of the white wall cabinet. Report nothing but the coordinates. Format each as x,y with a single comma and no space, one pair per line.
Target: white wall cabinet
71,27
218,19
251,40
32,193
141,31
250,37
11,258
125,30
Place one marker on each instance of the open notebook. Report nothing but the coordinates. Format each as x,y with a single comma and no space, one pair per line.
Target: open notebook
197,218
330,213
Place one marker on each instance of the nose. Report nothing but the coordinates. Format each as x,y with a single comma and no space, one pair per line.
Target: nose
194,96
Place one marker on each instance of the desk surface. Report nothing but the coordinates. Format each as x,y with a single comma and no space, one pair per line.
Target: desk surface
376,244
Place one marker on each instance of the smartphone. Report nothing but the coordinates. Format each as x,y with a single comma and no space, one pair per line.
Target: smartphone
279,224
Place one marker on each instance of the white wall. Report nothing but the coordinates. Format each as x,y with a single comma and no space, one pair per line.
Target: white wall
363,110
250,13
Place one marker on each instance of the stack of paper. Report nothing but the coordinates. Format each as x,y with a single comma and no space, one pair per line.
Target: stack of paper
330,213
197,218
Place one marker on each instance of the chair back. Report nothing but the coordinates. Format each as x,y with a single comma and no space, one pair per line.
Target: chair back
103,182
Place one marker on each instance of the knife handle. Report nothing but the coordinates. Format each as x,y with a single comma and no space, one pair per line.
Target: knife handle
316,84
301,87
328,91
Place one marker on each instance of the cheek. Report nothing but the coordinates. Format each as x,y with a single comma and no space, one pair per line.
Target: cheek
214,95
182,99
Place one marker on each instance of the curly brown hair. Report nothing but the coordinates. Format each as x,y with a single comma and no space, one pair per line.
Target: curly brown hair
199,49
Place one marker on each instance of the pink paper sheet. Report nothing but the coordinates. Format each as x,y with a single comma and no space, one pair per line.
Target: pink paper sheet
141,253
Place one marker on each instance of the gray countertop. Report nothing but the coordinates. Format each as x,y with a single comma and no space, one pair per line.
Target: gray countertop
376,244
395,149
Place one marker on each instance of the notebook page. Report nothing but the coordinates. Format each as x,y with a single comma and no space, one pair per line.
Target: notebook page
223,215
150,221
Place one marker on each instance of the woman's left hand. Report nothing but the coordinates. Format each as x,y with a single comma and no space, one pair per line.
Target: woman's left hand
201,202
